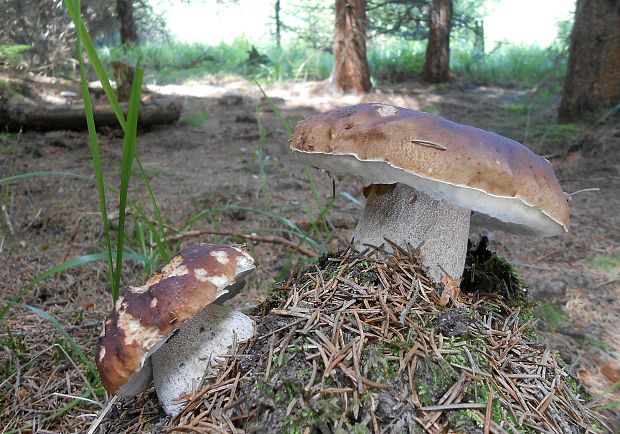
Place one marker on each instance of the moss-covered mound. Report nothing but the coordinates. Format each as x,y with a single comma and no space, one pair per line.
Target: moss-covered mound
360,345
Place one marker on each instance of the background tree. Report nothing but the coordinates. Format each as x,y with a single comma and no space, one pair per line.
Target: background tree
593,77
46,27
278,24
350,62
124,11
437,63
402,18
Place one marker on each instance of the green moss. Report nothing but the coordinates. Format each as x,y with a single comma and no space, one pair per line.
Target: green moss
326,409
292,388
503,269
459,358
464,421
491,308
265,388
195,119
375,365
605,263
363,273
551,316
487,272
432,381
514,107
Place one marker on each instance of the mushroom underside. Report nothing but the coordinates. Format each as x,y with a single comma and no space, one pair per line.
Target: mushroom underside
406,216
181,363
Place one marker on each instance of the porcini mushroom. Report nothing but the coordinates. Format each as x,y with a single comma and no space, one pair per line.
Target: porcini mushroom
426,174
137,341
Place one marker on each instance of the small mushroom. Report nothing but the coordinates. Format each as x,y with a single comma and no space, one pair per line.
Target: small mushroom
137,341
425,176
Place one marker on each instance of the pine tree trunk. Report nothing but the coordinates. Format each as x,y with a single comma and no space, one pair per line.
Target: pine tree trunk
479,40
278,24
350,63
593,77
124,10
437,64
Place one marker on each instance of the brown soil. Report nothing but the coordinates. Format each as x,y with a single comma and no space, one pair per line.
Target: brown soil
197,166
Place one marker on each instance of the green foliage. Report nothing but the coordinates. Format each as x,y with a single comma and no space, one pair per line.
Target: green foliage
552,317
606,263
12,54
169,62
195,119
508,63
390,59
409,19
486,272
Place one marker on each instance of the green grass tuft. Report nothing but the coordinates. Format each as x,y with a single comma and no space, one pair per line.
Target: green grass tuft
606,263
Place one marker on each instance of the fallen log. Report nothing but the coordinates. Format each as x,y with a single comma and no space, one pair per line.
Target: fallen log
16,117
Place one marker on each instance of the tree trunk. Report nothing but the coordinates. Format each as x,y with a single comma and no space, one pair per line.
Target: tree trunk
593,77
278,24
478,40
124,9
437,64
350,64
16,117
123,75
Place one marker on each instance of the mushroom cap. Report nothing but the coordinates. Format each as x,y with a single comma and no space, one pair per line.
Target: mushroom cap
144,317
463,165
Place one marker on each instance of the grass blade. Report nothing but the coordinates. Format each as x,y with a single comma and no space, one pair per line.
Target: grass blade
348,196
91,367
98,168
160,234
73,6
52,416
129,152
41,173
283,122
76,262
289,132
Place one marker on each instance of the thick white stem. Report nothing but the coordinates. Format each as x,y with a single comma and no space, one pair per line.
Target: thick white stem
406,216
180,364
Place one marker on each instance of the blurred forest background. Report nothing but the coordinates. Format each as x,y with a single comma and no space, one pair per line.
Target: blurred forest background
386,40
224,81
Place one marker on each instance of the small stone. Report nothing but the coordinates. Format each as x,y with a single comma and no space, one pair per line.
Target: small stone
549,289
230,99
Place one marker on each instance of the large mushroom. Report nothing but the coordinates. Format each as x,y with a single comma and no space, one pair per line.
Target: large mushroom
424,176
170,329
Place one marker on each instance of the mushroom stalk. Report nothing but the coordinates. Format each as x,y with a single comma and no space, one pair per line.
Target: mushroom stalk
181,363
407,216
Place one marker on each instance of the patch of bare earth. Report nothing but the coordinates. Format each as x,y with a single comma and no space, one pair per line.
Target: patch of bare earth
194,166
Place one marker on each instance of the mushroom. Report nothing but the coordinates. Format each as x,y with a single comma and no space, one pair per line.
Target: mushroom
424,175
137,342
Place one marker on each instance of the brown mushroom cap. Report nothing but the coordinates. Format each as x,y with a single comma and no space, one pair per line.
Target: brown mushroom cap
463,165
145,316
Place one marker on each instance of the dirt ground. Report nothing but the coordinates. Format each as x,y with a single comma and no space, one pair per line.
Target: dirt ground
230,149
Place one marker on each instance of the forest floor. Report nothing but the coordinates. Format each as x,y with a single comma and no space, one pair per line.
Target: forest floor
231,149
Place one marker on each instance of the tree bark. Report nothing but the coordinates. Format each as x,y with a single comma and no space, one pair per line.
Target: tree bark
593,78
350,63
123,75
437,63
124,10
278,23
16,117
478,40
